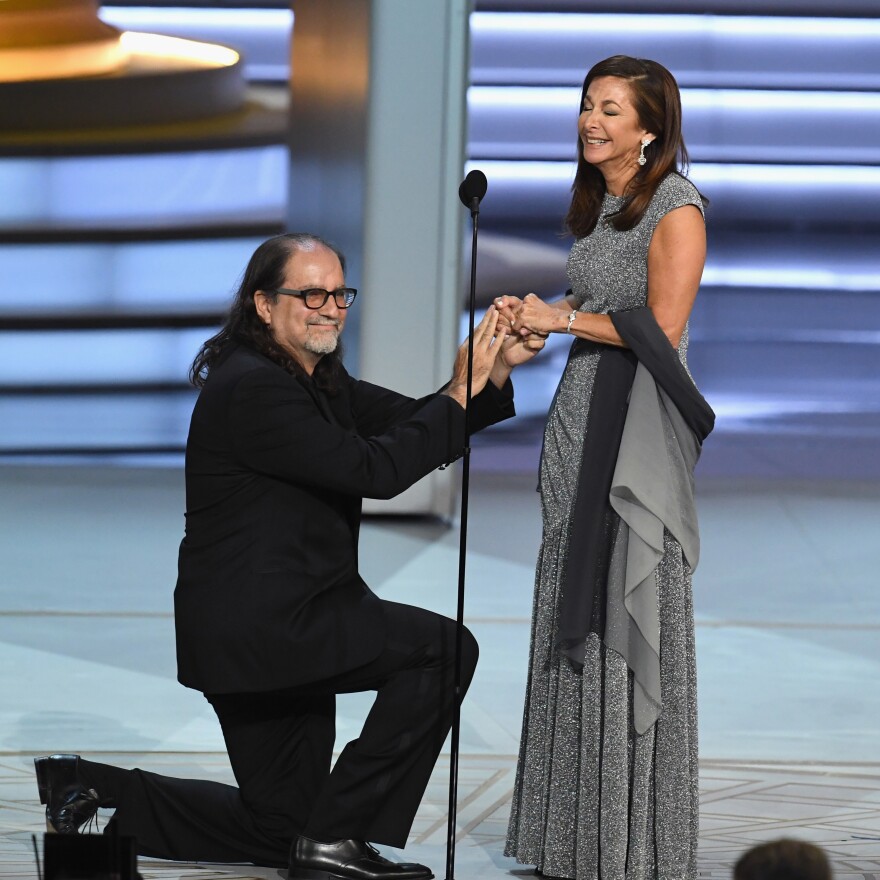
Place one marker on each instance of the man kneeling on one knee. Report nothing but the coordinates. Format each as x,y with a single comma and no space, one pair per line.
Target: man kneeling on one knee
272,618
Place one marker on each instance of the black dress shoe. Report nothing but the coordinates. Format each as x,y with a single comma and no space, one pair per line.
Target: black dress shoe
68,804
347,860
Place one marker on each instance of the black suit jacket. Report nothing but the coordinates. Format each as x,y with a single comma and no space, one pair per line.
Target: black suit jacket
268,593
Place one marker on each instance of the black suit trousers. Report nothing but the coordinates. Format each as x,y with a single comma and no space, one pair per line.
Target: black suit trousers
280,746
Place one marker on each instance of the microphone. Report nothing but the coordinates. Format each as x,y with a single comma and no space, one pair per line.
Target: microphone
471,192
472,189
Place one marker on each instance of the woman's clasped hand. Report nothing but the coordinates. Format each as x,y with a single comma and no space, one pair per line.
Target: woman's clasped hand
531,317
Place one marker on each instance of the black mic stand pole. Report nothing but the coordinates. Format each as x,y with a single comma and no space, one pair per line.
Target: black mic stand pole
471,191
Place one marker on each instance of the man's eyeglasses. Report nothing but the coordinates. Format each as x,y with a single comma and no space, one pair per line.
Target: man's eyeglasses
316,297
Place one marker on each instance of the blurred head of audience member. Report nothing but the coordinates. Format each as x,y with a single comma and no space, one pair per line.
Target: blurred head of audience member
783,859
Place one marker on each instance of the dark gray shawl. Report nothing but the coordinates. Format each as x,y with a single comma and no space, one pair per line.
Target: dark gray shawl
644,435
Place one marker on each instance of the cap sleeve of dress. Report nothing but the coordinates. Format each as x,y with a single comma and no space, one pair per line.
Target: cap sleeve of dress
674,192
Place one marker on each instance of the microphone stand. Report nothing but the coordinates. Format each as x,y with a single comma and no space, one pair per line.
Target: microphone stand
471,192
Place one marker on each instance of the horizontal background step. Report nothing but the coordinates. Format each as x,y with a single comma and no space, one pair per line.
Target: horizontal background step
537,194
144,191
705,51
223,193
854,8
131,274
64,423
730,125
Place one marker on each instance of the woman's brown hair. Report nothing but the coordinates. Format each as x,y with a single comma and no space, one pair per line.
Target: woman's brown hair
657,103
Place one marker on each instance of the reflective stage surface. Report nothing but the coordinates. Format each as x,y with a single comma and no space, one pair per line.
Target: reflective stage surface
787,624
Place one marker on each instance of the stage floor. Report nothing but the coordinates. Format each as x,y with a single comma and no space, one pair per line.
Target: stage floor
787,634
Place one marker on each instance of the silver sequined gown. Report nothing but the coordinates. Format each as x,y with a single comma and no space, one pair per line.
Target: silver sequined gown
592,798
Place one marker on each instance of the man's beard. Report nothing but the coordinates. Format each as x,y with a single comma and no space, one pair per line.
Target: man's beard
322,343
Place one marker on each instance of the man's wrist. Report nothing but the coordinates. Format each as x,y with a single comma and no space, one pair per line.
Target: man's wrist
458,392
500,372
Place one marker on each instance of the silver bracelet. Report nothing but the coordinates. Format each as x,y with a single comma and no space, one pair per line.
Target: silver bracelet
571,316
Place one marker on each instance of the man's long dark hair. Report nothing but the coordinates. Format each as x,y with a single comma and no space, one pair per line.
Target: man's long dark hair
657,102
265,271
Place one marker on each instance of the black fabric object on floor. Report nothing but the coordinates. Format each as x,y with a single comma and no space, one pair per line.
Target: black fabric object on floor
89,857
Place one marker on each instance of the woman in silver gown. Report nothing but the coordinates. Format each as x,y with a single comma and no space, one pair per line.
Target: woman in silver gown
606,784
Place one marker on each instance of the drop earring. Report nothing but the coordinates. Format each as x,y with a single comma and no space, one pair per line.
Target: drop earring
641,160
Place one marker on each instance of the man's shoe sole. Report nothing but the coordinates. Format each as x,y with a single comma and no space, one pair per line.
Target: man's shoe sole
310,874
316,874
